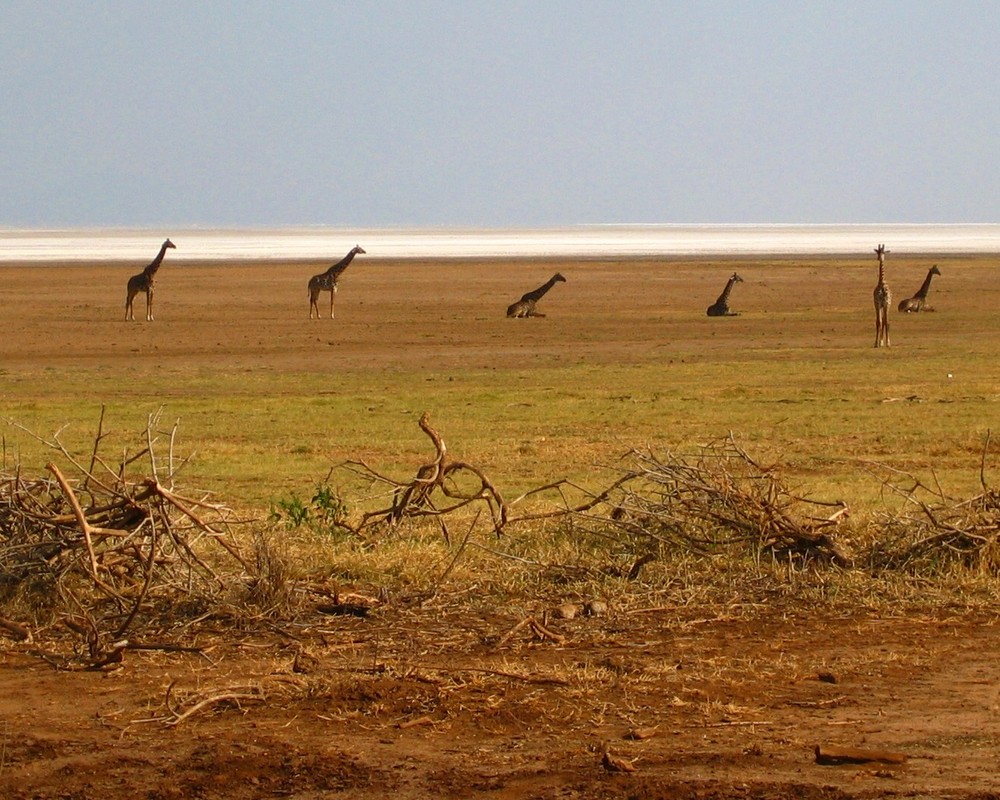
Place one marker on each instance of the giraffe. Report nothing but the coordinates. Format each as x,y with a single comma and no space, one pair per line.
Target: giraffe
916,303
327,281
720,308
143,282
525,307
882,297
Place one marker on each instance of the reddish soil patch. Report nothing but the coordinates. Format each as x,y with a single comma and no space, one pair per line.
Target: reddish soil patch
435,704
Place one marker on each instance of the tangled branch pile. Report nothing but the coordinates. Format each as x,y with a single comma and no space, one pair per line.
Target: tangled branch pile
109,555
933,530
718,497
105,551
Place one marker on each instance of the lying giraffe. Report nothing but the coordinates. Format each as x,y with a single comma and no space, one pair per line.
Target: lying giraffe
720,308
882,297
525,307
327,282
916,303
143,282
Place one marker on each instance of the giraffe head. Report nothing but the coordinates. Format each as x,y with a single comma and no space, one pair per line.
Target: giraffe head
736,278
558,277
357,249
169,244
881,252
935,270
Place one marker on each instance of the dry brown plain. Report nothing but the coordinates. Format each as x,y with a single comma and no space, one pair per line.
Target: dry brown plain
429,700
434,315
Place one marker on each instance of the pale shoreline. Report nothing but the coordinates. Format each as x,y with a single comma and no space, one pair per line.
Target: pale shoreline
624,241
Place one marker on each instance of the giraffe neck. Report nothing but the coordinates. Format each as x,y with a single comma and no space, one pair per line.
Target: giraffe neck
155,263
539,293
926,286
341,265
725,292
541,290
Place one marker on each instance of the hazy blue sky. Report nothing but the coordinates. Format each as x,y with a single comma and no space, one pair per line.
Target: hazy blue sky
478,112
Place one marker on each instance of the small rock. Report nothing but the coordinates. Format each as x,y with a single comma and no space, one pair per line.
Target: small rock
595,608
567,611
614,764
638,734
304,663
620,665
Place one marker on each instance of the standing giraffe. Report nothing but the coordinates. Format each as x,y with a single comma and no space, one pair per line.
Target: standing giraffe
143,282
882,297
720,308
916,303
525,307
327,281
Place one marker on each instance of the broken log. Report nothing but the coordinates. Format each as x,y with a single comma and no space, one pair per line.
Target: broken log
15,629
829,755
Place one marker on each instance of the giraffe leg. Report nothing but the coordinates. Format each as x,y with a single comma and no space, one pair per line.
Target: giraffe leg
333,295
149,305
881,328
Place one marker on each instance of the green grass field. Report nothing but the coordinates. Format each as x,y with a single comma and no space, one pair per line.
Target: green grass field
257,437
529,401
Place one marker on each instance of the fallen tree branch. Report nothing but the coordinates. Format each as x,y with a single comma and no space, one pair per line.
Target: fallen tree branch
438,478
256,695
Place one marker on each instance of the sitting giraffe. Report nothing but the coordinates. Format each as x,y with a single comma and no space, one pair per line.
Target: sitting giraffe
327,281
882,297
720,308
525,307
143,282
916,303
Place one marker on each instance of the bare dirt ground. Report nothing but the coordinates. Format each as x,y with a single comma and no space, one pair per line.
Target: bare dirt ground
416,315
447,699
451,709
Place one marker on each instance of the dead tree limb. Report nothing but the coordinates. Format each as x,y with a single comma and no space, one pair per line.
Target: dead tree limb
437,480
